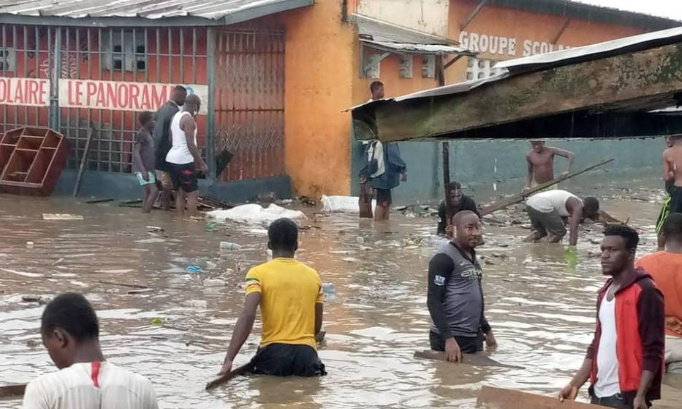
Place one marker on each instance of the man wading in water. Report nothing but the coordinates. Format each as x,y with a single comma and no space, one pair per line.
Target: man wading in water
455,295
290,297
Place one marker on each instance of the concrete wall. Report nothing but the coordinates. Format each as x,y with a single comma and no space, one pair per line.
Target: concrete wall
482,165
428,16
124,186
319,72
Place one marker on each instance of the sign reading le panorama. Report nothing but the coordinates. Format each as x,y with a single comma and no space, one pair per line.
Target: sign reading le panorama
122,96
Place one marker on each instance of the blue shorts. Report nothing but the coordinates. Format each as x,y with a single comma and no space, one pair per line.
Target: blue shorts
152,178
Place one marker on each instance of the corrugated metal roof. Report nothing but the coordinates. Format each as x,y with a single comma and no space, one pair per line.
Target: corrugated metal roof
147,9
545,61
418,48
391,37
381,31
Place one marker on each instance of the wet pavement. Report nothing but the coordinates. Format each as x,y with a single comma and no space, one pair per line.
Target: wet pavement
540,304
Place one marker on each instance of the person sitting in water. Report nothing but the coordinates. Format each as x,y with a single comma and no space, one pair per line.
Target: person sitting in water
455,295
291,301
459,203
547,211
70,333
666,269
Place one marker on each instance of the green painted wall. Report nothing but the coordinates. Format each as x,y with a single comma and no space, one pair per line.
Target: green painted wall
483,165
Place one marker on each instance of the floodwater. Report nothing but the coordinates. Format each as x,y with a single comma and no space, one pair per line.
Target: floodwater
541,305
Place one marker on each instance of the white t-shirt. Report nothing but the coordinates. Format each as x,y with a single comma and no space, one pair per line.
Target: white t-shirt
608,383
179,153
547,202
91,385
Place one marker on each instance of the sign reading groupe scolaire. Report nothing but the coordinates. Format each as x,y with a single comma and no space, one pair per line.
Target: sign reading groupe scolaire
507,46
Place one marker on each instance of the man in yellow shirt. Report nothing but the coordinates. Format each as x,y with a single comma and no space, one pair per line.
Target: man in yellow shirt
290,297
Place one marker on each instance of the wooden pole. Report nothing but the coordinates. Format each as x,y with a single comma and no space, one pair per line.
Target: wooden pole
498,398
520,197
477,359
12,391
440,74
84,159
242,370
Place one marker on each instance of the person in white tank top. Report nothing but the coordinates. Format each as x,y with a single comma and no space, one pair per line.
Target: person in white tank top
184,158
547,211
85,380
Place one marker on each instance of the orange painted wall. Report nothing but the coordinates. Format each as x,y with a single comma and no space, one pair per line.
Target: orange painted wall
319,70
525,25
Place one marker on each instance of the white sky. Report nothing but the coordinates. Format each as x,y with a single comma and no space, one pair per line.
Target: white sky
663,8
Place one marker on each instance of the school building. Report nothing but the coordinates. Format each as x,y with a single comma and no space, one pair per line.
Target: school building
275,78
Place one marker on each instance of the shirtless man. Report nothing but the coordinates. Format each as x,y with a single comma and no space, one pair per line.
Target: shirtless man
541,163
669,183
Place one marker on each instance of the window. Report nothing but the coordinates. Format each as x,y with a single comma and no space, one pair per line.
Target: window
124,52
429,66
406,66
8,59
479,69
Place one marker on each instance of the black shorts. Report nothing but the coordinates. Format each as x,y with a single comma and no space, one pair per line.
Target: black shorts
383,197
184,177
287,360
468,345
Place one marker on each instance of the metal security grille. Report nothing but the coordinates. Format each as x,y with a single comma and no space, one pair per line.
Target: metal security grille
129,55
24,53
148,55
249,102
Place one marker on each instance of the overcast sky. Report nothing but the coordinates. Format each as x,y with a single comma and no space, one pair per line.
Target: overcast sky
664,8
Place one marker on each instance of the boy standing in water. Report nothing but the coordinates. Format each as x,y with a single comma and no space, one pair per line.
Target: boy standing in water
144,161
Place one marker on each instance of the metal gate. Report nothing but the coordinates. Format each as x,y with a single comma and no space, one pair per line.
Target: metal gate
124,55
249,102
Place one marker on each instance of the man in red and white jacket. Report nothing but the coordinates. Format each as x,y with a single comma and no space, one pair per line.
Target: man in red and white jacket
625,361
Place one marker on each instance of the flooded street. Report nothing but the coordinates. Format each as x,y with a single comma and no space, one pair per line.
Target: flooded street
540,305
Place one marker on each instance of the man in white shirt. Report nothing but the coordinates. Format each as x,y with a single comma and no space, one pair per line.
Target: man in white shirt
547,211
184,158
70,332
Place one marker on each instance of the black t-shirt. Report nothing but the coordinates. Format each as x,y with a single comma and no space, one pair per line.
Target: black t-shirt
467,204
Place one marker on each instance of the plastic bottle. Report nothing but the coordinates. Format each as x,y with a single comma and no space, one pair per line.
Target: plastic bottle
226,245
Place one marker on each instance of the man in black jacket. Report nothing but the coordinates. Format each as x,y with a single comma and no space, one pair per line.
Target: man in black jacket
163,142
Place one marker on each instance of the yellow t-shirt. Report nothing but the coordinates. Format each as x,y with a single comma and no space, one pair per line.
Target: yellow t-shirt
289,291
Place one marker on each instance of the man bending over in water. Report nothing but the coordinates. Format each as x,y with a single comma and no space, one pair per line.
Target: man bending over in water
541,163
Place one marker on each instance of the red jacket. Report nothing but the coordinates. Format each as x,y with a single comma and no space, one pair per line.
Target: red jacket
640,326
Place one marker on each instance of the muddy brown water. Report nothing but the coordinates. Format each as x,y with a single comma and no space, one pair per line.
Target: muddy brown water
540,306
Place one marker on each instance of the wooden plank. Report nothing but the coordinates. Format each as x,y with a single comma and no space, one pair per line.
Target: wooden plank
522,196
478,359
602,84
84,160
498,398
242,370
12,391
